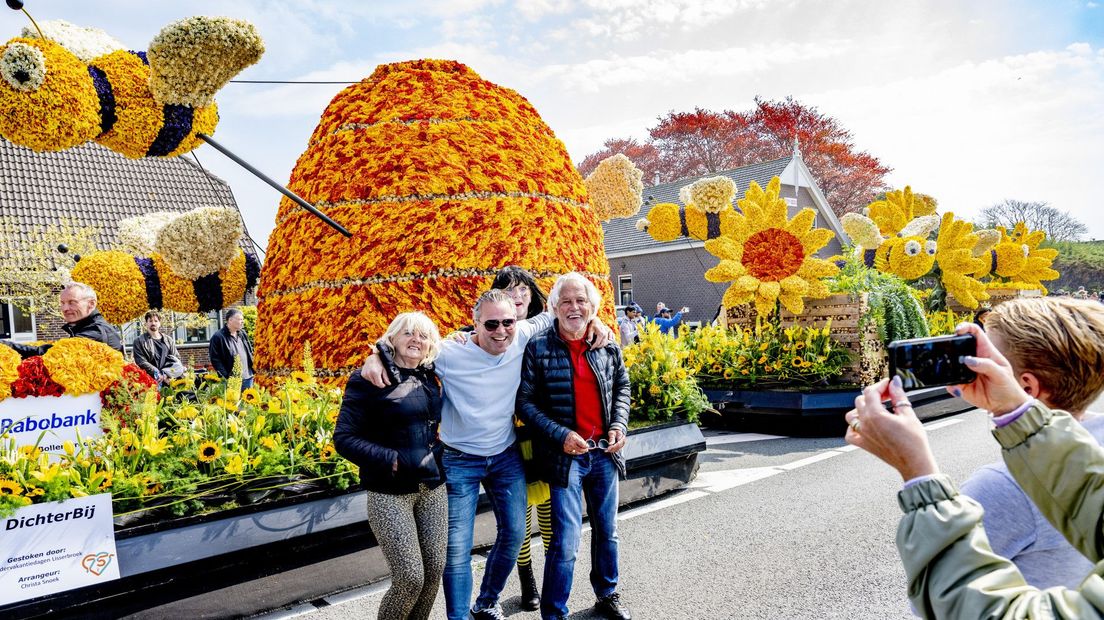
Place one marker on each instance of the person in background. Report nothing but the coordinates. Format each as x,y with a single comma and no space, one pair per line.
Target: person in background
950,568
230,343
577,401
629,325
390,433
82,320
156,353
529,301
666,321
1056,349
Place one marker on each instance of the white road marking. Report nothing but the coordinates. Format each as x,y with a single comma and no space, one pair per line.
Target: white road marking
931,426
716,481
726,438
678,498
809,460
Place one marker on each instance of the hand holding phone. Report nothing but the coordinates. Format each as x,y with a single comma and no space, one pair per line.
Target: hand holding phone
928,362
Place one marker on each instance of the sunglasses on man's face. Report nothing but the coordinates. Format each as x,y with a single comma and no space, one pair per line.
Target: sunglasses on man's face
492,324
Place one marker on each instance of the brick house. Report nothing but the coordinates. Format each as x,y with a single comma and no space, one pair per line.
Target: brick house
93,186
646,271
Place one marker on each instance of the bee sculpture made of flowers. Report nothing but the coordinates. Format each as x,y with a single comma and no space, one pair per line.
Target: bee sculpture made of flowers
707,214
1017,259
78,84
186,262
893,236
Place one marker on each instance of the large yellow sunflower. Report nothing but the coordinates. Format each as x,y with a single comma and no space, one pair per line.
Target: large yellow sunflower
769,257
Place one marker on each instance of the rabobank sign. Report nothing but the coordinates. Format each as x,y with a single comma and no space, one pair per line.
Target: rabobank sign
51,420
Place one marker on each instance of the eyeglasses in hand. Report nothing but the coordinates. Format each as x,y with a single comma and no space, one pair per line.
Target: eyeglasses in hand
492,324
601,444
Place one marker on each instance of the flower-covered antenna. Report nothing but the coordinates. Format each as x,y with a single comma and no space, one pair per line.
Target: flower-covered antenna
17,5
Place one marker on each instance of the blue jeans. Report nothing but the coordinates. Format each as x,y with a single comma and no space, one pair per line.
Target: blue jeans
247,383
595,475
504,480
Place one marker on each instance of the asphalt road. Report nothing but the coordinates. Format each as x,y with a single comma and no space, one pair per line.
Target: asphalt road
771,528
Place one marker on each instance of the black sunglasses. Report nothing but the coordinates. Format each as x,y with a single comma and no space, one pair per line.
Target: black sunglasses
492,324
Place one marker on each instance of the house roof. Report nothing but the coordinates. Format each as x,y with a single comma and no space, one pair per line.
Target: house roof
91,185
622,237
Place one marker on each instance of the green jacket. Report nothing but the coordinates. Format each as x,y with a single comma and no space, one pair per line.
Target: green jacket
952,572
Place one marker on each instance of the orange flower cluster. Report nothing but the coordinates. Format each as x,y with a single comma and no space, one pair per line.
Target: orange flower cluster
443,178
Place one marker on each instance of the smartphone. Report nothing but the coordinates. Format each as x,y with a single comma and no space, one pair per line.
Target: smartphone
928,362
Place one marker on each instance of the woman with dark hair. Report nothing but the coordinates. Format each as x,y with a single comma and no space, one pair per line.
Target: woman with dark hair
529,301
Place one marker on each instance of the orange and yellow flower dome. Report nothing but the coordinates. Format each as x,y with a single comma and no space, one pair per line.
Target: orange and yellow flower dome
443,178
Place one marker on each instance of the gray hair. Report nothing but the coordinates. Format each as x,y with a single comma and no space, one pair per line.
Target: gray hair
575,277
230,313
81,289
420,323
493,296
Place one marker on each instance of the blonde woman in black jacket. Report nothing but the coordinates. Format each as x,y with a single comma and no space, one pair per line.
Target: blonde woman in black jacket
391,434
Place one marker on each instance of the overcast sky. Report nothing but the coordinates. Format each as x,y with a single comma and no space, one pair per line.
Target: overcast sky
971,102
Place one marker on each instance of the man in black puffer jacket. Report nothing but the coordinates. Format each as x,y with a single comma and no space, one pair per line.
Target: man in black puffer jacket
82,320
577,400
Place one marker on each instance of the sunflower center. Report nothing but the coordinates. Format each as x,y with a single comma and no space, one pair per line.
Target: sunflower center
773,254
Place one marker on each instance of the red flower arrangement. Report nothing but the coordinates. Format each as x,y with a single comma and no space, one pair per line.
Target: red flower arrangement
131,387
34,380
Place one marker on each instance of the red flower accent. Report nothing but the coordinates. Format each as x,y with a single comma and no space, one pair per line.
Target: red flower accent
773,254
34,380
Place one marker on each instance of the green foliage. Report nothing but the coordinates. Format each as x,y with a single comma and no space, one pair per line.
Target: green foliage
1081,264
663,388
893,303
766,356
249,316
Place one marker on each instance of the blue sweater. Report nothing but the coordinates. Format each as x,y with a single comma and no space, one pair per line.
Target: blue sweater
1019,532
665,325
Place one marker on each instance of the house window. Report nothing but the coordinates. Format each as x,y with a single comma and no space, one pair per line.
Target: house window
16,323
624,290
192,335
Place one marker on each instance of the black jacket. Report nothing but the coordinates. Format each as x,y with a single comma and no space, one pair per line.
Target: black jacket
546,398
400,421
94,327
222,355
145,353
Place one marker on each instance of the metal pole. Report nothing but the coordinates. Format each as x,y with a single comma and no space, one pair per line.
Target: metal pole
283,190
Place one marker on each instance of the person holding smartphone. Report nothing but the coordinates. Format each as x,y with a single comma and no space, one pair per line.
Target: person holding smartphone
577,401
1056,349
951,570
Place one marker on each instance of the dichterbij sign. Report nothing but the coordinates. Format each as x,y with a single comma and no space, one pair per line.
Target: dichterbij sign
50,548
54,419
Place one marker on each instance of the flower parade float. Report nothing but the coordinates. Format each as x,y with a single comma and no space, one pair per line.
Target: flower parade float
799,334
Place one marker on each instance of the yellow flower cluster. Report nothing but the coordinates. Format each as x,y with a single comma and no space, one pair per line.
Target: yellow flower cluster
615,188
193,58
61,113
443,178
897,210
768,256
83,366
663,385
118,283
140,117
766,355
955,255
712,194
9,370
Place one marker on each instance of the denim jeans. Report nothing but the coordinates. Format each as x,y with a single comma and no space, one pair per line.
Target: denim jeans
247,383
595,475
503,479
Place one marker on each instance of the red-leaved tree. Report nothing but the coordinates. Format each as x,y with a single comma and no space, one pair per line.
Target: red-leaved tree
686,144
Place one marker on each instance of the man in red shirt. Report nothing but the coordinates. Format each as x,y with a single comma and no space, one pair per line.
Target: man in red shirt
577,400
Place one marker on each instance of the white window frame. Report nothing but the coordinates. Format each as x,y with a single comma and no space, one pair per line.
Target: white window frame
621,289
10,327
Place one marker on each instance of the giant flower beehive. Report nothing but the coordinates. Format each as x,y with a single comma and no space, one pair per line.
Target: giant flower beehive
443,178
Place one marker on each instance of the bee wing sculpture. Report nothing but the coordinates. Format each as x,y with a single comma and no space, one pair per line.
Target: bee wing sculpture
77,85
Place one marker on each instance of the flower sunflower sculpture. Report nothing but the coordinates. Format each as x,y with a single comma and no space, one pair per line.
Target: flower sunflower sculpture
956,259
770,257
